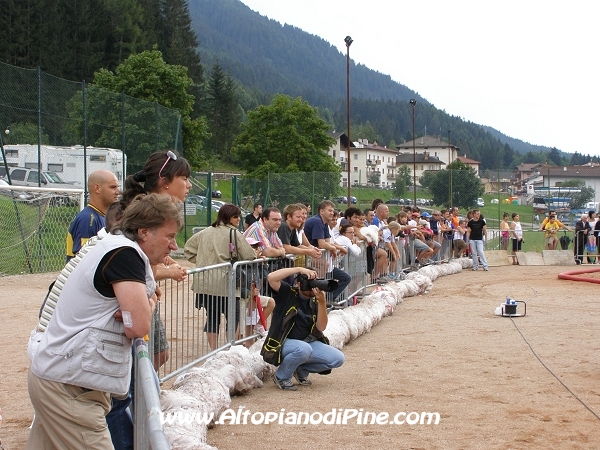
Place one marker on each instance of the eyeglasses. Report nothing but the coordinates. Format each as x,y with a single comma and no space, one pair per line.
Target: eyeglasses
170,155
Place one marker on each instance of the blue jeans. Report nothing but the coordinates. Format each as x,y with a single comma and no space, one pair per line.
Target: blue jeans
343,280
119,420
477,250
304,358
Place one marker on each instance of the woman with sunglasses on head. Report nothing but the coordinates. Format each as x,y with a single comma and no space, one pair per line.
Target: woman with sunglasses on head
163,173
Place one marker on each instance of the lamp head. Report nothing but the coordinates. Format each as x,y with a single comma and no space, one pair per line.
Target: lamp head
348,40
413,102
7,131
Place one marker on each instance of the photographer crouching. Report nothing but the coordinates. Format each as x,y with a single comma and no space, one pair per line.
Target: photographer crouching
295,341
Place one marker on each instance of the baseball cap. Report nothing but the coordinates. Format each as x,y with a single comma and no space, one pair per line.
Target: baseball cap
251,241
425,214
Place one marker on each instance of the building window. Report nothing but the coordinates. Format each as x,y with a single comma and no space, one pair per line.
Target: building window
334,153
55,167
430,166
11,153
355,169
355,156
31,165
98,158
421,166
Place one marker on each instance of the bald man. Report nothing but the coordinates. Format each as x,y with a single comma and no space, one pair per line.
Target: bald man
103,188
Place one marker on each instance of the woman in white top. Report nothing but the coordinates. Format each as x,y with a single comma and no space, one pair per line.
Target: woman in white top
347,239
516,236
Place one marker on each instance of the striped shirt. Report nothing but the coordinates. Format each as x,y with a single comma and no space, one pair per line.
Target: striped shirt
265,237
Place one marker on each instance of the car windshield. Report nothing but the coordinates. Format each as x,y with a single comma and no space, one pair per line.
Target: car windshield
53,177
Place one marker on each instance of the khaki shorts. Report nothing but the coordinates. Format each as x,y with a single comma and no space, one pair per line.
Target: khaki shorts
160,334
550,240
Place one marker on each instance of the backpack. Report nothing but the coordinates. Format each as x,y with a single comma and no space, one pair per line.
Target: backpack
279,331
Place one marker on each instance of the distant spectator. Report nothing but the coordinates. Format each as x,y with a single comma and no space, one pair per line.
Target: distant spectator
516,236
476,233
103,188
504,232
582,230
254,216
317,233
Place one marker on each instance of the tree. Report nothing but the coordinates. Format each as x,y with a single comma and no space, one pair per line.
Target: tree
147,76
403,179
287,133
222,113
466,186
579,199
374,178
554,157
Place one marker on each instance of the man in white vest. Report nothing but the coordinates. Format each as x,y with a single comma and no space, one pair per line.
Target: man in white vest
84,356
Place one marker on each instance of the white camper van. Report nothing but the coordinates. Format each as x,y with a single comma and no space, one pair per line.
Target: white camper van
68,162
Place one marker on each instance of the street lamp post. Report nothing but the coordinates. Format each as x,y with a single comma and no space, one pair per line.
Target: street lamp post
7,131
413,102
449,172
348,41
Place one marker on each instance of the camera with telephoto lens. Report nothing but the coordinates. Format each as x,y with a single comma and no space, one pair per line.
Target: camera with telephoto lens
307,284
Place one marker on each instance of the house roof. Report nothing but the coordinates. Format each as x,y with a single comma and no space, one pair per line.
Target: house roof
465,160
526,167
342,137
425,142
570,171
406,158
374,146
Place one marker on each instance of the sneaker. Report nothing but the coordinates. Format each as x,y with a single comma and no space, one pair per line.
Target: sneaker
475,268
284,385
485,268
401,276
383,280
261,330
302,381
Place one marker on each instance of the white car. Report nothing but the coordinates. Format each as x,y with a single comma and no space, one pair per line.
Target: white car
480,202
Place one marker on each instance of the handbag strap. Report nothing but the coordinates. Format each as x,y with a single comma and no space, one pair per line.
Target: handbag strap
232,245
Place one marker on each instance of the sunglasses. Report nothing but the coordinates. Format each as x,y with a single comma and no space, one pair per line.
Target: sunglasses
170,155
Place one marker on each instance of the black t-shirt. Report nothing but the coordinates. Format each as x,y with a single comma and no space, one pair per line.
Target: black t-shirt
304,320
288,236
250,219
476,227
120,264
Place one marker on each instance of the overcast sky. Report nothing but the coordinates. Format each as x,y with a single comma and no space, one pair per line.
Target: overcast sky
528,68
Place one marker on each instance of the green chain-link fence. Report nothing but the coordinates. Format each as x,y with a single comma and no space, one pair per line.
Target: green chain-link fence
40,111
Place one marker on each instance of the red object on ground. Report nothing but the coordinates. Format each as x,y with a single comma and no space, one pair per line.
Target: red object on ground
259,308
572,275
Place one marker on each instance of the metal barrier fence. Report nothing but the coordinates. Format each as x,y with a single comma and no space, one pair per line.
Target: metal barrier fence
148,429
196,314
585,247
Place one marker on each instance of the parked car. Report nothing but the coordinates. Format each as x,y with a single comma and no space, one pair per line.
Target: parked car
480,202
215,194
22,176
395,201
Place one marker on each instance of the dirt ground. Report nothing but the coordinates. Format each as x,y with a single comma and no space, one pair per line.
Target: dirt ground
497,383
